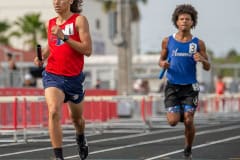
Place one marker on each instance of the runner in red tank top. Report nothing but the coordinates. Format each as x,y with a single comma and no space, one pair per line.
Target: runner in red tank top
62,54
68,41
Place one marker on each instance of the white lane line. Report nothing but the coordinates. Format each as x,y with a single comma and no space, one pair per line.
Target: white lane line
91,142
156,141
119,138
11,144
20,142
95,141
195,147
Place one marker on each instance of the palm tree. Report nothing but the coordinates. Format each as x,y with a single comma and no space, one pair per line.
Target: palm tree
31,27
4,26
111,6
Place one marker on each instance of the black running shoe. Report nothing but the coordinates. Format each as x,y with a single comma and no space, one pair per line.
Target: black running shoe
82,148
188,152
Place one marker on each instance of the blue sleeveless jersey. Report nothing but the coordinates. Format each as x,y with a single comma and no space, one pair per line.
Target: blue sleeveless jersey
182,68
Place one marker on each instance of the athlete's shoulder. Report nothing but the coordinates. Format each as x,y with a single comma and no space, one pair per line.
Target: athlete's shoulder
201,44
51,22
81,21
170,38
81,18
166,39
164,42
200,41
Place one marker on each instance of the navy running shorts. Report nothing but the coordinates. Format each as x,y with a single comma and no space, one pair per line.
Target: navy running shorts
72,87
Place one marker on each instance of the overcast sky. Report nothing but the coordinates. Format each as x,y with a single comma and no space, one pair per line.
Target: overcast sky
218,23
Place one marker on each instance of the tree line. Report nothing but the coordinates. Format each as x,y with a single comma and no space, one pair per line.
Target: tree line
29,27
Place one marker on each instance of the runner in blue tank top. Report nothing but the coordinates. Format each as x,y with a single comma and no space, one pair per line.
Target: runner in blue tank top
184,51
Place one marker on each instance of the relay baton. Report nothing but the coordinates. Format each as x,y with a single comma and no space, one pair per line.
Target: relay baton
39,52
162,72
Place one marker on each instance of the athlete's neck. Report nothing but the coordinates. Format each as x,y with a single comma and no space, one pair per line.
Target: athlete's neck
63,17
183,36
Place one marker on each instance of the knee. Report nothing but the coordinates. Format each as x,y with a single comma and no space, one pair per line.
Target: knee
172,123
77,120
54,114
173,115
188,123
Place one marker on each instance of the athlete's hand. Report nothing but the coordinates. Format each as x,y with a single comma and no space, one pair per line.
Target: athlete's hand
198,57
164,64
57,31
38,62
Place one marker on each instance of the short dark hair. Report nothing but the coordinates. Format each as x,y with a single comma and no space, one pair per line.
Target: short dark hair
76,6
185,8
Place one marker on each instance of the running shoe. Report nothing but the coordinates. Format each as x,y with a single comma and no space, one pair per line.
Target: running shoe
188,153
82,148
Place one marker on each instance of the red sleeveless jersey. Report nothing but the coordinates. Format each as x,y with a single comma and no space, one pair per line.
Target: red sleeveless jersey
64,60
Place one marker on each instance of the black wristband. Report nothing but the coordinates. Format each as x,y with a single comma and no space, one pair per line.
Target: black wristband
65,38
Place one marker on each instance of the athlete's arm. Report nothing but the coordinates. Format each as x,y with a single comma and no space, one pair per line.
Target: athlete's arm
201,56
85,46
163,54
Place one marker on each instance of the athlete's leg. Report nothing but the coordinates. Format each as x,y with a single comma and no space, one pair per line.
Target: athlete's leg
172,104
173,115
76,113
189,124
75,96
189,127
54,98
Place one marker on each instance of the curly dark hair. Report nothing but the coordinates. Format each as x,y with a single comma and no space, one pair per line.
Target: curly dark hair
76,6
185,8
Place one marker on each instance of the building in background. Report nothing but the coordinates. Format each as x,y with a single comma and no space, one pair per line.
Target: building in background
101,27
103,63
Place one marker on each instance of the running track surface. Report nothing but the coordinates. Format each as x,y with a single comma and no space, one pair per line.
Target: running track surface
215,140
